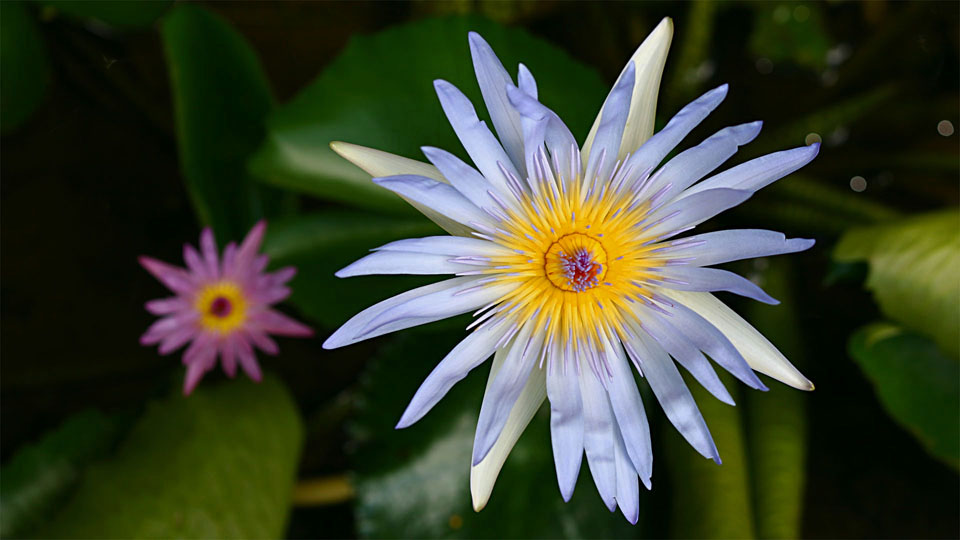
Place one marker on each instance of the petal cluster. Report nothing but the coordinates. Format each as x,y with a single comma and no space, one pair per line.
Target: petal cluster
575,264
221,307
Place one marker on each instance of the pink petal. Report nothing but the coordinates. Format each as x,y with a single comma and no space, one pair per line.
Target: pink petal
166,306
263,341
251,244
203,350
271,295
176,279
283,275
229,256
248,361
195,372
209,247
228,356
176,339
260,263
195,263
166,326
274,322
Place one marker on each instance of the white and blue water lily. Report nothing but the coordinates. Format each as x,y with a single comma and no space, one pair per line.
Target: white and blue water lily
571,258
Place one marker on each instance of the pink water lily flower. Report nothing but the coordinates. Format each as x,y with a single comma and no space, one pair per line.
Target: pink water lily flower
222,307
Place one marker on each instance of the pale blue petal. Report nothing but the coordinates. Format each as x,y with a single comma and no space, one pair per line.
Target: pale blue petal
673,394
556,135
459,246
661,143
526,82
733,245
500,396
700,279
628,489
566,423
399,262
442,198
629,412
468,354
685,213
694,163
493,80
598,436
484,149
470,183
684,352
609,135
760,172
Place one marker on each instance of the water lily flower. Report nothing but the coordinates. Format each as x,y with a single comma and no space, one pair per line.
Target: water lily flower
572,259
221,306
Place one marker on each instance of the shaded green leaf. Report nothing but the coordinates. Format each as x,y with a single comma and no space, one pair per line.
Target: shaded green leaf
25,65
379,93
913,265
218,464
415,482
221,99
916,383
777,419
112,12
710,500
37,479
320,244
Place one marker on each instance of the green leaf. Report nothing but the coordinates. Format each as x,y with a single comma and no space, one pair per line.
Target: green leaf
791,31
37,479
917,384
379,93
777,419
710,500
217,464
115,13
221,98
320,244
913,264
415,482
25,65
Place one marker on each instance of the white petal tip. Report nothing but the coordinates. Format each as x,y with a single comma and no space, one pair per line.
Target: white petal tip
646,483
331,343
632,515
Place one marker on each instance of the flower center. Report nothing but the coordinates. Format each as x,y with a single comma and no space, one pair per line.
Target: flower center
576,262
222,307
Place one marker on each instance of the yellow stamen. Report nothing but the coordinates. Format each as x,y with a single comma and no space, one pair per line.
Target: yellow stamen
222,307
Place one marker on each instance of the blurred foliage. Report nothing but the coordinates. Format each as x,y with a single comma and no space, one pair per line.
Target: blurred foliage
379,93
322,243
791,31
115,13
26,66
219,464
917,384
710,500
776,420
413,483
222,98
913,272
40,476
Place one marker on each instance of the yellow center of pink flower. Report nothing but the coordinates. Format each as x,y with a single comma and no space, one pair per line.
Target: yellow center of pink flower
222,307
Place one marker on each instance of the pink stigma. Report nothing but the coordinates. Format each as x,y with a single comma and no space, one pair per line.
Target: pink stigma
580,270
220,307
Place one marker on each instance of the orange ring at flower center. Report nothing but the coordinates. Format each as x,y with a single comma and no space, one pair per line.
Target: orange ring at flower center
576,263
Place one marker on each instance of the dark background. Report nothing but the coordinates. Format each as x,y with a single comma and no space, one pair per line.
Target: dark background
92,181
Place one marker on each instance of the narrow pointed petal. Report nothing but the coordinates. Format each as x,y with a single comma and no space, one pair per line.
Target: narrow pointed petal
691,211
566,423
377,164
661,143
493,80
760,172
693,164
684,352
400,262
349,333
176,279
196,263
453,246
556,135
470,183
629,412
484,475
606,143
248,360
208,246
274,322
526,82
484,149
441,198
628,489
701,279
598,436
166,306
759,353
733,245
468,354
673,395
500,396
648,62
